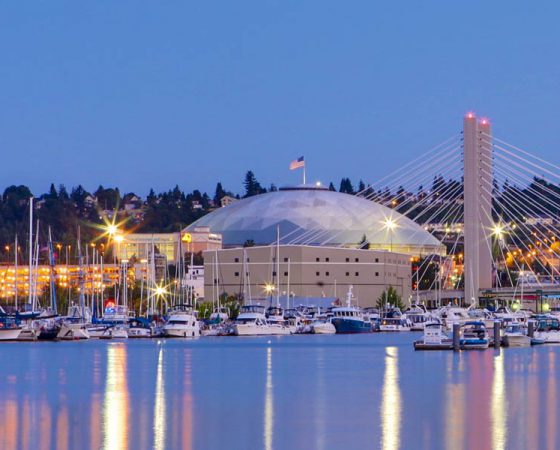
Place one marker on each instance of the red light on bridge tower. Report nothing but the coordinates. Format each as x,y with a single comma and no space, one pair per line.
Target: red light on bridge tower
470,115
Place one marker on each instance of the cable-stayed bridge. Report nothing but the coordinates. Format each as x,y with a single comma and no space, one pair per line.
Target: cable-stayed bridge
495,207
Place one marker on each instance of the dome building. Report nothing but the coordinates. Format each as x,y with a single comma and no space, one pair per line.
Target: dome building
315,216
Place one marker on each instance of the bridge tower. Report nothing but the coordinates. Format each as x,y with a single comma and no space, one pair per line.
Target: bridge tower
478,181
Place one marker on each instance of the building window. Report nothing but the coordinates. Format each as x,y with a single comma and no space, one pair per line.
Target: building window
357,259
236,260
326,274
236,274
274,273
317,273
285,274
215,281
317,259
347,274
347,259
327,259
376,274
376,259
285,259
357,274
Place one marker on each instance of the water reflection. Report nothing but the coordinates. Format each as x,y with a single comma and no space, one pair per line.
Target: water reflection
187,406
498,404
159,407
115,407
551,403
391,402
268,403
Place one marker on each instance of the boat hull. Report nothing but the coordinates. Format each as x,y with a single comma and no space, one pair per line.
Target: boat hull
73,332
9,334
549,337
139,333
176,332
516,341
444,345
323,328
344,326
474,344
260,330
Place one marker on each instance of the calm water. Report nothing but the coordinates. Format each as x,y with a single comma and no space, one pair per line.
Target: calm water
292,392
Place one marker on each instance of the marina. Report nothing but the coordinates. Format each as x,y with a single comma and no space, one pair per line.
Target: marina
324,392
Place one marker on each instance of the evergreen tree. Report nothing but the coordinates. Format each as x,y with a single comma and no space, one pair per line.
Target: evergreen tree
220,193
331,187
252,186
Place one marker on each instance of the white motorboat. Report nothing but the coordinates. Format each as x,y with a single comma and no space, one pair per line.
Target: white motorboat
453,314
9,330
252,321
515,336
182,322
434,338
394,320
322,327
139,328
418,316
118,331
547,329
474,336
70,331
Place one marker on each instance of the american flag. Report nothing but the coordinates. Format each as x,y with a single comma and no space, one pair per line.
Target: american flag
297,163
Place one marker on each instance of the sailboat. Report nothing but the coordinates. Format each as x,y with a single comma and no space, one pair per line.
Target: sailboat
182,320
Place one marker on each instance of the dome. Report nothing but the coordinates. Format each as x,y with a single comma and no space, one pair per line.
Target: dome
317,216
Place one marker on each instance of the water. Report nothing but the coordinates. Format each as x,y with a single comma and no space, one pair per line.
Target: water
291,392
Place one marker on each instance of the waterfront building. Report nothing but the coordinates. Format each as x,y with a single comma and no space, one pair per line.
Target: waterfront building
307,271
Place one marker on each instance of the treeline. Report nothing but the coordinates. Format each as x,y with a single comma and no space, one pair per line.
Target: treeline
65,210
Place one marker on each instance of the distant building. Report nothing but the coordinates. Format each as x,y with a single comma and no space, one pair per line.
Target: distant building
308,272
227,200
139,245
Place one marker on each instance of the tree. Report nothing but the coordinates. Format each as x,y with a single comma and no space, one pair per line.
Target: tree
346,186
331,187
390,299
249,243
252,186
219,194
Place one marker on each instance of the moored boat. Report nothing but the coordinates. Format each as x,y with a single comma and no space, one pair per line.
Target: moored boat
350,319
434,338
515,336
474,336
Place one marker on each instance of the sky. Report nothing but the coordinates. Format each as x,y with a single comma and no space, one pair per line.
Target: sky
146,94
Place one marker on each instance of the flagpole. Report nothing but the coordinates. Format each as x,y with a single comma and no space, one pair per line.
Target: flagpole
304,173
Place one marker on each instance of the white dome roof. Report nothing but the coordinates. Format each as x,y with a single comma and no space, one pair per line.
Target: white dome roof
314,216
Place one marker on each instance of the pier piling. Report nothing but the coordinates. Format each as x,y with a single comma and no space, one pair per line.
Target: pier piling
531,329
456,337
497,337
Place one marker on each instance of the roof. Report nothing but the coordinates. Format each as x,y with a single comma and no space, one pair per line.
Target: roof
312,216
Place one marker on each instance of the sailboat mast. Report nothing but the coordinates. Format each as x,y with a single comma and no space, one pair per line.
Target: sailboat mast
278,266
52,274
16,274
30,277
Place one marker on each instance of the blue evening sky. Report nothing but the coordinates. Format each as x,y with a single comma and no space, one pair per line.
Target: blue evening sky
142,94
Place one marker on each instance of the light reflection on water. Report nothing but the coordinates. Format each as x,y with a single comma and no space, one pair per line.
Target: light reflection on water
159,409
498,404
115,407
268,403
326,392
391,402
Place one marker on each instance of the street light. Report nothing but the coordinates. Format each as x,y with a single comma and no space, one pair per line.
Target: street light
390,225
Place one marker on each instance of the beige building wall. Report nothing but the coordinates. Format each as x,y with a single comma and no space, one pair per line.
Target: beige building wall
311,271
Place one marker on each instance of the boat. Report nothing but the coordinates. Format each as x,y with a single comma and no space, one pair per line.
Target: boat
322,326
118,331
9,329
453,314
434,338
394,320
547,329
181,322
350,319
474,336
252,321
515,336
139,327
418,316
